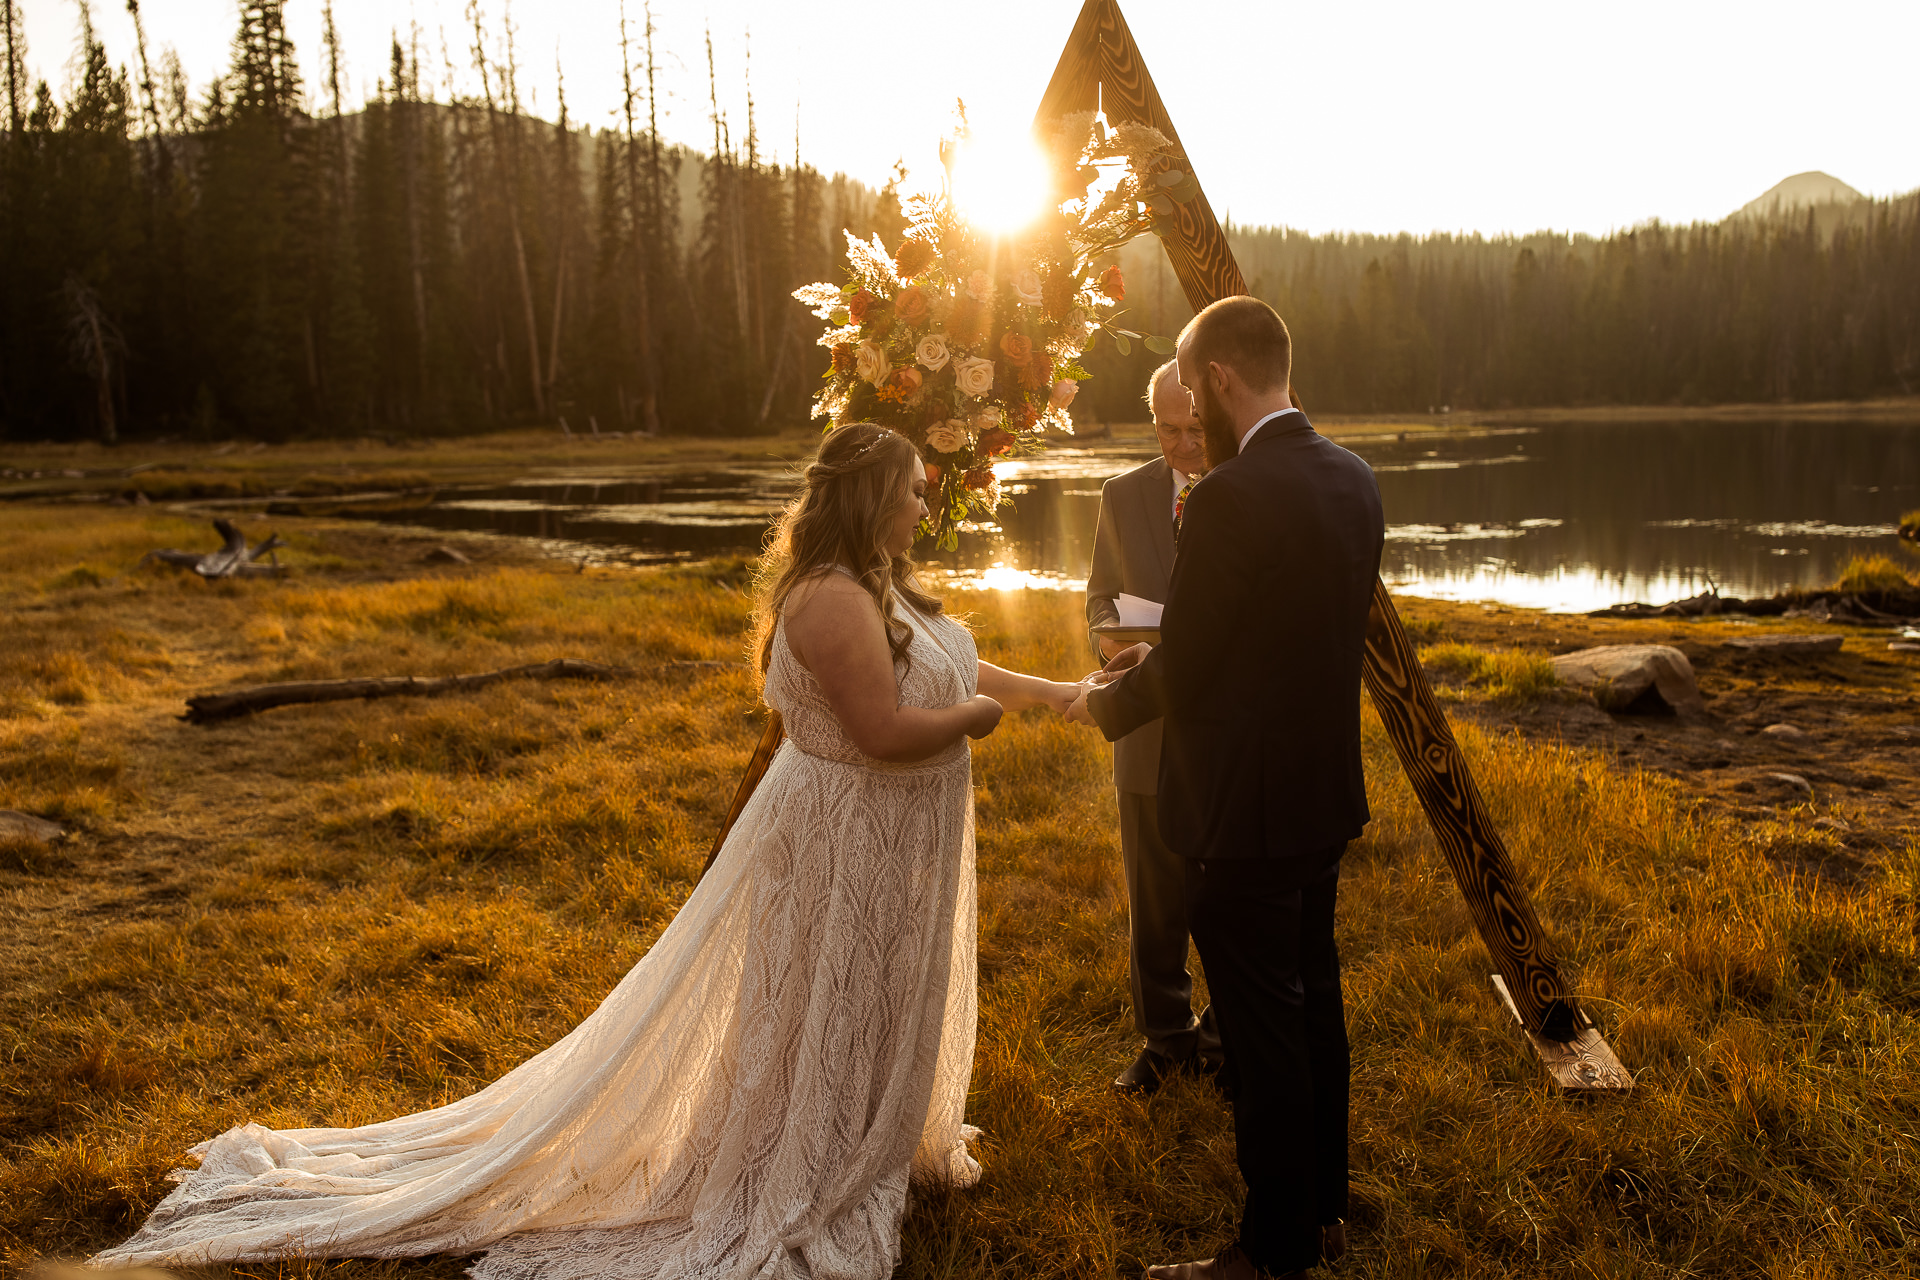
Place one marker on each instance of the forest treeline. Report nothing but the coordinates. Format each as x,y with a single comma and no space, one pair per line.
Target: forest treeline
432,261
1819,304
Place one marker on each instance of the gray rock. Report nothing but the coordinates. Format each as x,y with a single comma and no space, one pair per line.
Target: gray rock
1795,781
1905,646
445,555
1617,674
1787,644
1786,732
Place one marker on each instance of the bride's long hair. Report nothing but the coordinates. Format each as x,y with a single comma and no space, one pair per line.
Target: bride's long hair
853,490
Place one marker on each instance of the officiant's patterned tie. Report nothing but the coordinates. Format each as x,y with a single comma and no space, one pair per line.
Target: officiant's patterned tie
1180,506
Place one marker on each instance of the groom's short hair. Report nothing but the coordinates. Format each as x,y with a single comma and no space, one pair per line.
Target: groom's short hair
1246,335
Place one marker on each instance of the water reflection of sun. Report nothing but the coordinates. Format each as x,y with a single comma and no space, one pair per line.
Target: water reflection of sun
1004,577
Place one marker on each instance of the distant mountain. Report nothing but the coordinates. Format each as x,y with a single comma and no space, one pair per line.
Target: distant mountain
1797,192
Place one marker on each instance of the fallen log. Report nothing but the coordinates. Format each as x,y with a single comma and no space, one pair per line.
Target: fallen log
233,560
206,708
15,825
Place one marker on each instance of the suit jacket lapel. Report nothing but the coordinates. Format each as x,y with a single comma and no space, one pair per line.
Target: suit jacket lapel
1155,494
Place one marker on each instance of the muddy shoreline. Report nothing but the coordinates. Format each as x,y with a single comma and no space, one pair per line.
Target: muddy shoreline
1853,720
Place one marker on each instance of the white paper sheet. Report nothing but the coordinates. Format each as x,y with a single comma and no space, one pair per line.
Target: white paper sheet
1136,611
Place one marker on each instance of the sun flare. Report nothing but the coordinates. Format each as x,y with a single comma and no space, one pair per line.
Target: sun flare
1000,184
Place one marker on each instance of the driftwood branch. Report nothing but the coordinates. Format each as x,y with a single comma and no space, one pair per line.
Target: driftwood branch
208,707
233,560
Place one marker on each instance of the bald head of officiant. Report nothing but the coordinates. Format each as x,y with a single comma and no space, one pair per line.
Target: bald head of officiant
1132,561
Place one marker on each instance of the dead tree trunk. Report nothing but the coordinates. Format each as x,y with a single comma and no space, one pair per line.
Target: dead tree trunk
208,707
233,560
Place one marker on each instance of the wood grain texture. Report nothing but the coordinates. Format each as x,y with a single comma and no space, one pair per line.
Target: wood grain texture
770,740
1431,757
1102,65
1584,1062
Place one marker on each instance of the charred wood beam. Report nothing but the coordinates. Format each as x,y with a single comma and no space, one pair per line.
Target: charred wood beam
1102,66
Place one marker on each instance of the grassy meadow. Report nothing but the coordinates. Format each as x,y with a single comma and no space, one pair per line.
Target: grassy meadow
341,913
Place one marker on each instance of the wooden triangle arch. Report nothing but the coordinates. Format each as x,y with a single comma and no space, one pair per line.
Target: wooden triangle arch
1101,69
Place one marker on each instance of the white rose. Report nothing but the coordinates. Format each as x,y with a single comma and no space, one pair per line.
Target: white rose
973,375
1079,327
871,363
932,352
1026,286
949,437
988,419
980,286
1063,393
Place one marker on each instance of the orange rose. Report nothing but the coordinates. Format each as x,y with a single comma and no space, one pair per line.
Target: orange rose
908,380
933,472
859,305
995,442
911,305
1018,348
1113,284
914,257
979,478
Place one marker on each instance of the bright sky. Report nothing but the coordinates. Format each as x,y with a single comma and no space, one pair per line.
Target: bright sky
1369,115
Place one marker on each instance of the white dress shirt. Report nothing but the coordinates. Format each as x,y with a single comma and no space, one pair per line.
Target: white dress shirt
1247,439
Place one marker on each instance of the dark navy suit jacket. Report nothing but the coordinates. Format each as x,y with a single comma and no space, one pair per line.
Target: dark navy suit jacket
1257,672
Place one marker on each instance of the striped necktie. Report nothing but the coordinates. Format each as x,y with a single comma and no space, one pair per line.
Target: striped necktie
1180,505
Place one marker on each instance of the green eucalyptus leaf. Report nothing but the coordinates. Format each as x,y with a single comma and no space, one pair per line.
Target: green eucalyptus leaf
1158,345
1120,341
1172,178
1184,192
1161,206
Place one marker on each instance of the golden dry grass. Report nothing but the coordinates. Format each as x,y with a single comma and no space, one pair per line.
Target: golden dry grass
1502,675
330,915
1873,573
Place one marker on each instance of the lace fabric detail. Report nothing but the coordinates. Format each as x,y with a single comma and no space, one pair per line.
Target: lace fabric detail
751,1099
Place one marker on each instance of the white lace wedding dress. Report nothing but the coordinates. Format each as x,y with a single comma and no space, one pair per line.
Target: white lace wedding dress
748,1102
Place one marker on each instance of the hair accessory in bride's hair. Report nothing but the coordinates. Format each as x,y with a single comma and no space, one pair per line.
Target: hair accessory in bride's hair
861,452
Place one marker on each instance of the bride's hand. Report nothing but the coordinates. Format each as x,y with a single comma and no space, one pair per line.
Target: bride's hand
1059,696
984,717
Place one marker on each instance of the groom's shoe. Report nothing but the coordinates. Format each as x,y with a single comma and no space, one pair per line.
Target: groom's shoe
1148,1072
1231,1264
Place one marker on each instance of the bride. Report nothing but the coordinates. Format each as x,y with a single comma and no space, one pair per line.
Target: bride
753,1097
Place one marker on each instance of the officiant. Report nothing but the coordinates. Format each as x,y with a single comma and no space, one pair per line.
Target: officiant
1133,556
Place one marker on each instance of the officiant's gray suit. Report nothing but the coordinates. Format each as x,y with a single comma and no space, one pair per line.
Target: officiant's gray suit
1133,552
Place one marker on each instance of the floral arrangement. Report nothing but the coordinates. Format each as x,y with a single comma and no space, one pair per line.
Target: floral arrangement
970,344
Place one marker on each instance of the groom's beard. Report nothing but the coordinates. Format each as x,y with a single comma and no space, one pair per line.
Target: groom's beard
1222,443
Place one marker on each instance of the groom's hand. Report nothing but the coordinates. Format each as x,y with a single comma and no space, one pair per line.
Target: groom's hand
1132,656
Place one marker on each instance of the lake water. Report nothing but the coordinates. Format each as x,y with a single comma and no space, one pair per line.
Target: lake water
1567,517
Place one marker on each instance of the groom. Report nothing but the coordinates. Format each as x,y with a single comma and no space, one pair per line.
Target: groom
1258,678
